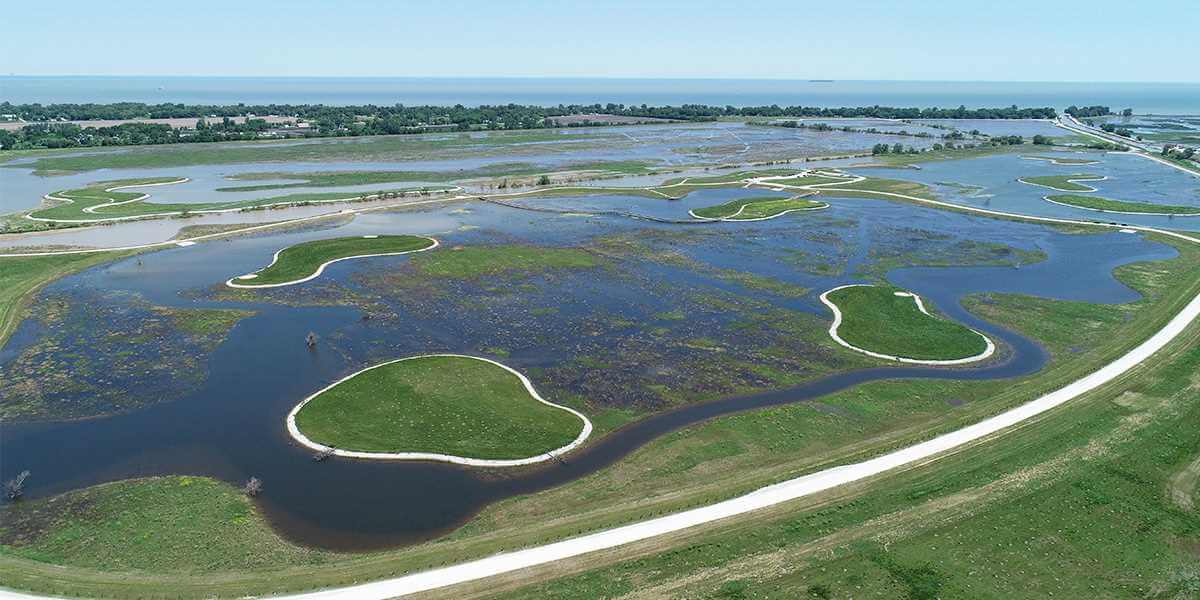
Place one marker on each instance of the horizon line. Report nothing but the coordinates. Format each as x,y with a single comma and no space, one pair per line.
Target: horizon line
582,77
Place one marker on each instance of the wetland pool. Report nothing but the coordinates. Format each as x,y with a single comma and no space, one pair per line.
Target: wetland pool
670,323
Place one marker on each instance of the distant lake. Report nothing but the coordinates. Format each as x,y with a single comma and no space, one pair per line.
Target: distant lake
1163,98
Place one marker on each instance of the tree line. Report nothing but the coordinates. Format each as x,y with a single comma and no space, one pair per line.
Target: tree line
369,119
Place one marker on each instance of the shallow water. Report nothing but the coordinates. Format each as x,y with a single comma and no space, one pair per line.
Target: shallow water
664,145
1130,178
231,426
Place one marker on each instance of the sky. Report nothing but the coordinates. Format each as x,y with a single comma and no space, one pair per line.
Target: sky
969,40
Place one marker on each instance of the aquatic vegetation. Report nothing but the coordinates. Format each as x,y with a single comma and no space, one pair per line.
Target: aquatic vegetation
471,262
97,357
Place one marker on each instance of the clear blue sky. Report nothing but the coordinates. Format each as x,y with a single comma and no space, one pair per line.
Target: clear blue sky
1021,40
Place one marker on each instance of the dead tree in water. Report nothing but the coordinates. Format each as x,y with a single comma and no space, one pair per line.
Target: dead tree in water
14,488
311,340
253,487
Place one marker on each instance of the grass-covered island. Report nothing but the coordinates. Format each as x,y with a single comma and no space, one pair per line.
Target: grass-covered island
1123,206
1064,183
890,323
757,209
437,406
302,262
1062,160
105,201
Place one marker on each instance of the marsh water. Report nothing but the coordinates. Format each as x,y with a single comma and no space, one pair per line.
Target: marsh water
666,146
612,335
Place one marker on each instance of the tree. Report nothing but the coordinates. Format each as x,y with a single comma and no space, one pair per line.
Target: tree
253,487
14,488
1041,140
1127,112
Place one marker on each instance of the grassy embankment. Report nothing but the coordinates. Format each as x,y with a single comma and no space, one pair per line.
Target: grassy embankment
1081,502
1110,205
874,318
1064,183
440,404
302,260
1062,160
712,461
348,178
95,196
756,208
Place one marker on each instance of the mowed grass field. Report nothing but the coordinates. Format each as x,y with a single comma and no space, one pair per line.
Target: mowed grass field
756,208
1108,204
1064,183
874,318
302,260
442,404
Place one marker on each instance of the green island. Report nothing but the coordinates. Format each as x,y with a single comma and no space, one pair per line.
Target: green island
348,178
1064,183
1062,160
757,208
453,405
302,262
472,262
1122,206
887,320
101,201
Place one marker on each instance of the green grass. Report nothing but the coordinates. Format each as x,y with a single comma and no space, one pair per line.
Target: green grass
95,195
756,208
166,524
878,184
1071,505
1063,160
206,321
302,260
1064,182
874,318
471,262
442,404
1108,204
348,178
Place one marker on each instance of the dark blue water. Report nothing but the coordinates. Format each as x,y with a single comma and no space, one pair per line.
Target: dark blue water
1169,98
